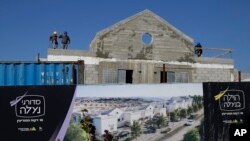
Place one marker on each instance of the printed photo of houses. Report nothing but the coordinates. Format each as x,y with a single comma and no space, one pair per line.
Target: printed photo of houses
140,119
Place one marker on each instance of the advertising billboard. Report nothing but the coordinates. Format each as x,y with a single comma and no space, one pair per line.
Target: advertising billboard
226,109
38,113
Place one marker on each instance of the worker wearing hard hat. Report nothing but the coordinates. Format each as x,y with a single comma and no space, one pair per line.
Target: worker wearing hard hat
53,39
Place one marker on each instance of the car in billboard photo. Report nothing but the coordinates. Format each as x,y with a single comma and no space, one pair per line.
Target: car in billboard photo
189,122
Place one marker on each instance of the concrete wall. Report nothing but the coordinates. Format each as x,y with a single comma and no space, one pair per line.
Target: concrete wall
151,72
142,72
209,60
148,71
124,40
212,75
91,74
59,52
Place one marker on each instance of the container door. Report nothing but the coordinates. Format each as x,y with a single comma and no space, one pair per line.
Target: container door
2,74
58,77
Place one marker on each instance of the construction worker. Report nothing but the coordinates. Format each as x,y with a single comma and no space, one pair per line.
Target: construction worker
198,49
53,39
65,40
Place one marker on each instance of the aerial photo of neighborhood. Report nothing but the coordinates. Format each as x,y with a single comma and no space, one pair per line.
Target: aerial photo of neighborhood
138,118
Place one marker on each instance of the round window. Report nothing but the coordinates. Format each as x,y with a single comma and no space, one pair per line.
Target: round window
147,38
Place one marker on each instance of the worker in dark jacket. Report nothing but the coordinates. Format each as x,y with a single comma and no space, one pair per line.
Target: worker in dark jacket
65,40
53,39
198,49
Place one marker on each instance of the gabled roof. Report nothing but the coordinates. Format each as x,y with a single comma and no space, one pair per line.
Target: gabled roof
145,107
110,111
146,11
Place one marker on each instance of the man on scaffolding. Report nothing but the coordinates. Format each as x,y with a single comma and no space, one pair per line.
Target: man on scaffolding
198,49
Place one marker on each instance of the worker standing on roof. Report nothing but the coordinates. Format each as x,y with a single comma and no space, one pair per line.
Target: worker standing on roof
53,39
198,49
65,40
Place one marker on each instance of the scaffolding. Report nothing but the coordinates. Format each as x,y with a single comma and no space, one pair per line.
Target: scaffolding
221,52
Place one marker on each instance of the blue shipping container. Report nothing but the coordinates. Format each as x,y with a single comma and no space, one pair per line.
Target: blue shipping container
44,73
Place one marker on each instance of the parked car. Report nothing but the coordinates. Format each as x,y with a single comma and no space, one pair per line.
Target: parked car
114,133
146,131
123,134
189,123
166,130
149,130
192,116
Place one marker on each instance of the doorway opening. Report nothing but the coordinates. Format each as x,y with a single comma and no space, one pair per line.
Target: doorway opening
129,76
168,77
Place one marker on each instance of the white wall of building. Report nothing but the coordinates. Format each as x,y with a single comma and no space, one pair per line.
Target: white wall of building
130,117
105,122
119,116
161,111
147,112
181,103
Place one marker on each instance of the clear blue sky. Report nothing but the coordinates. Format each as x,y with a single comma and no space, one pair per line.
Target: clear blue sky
26,25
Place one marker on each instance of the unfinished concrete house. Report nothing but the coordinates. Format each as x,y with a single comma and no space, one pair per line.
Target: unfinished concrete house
144,48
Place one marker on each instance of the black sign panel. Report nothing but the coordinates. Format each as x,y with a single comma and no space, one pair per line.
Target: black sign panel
226,108
33,113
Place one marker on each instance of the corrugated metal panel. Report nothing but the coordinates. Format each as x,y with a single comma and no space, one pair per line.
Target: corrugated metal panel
109,76
121,76
170,76
38,73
